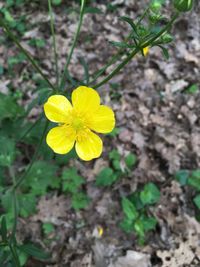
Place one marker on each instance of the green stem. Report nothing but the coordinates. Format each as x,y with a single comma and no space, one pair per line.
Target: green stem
30,128
26,53
21,179
54,42
135,51
12,175
15,215
73,44
14,254
117,56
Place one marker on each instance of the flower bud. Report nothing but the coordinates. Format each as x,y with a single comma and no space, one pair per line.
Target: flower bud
183,5
166,38
155,6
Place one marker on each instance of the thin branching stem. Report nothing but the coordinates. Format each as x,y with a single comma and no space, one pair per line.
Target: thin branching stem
52,22
135,51
73,43
118,55
26,53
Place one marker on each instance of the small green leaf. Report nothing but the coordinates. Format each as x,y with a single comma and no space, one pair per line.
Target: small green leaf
192,89
130,22
106,177
149,223
71,180
34,251
27,204
114,155
41,176
194,179
80,201
164,51
129,209
182,176
139,228
150,194
197,201
56,2
92,10
7,152
120,44
114,132
48,228
37,42
9,108
1,70
130,160
127,225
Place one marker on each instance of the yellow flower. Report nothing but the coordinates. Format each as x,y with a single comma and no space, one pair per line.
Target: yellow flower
77,121
145,51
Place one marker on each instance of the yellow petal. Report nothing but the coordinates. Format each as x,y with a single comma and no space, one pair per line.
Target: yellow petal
145,50
88,145
85,99
57,108
102,121
61,139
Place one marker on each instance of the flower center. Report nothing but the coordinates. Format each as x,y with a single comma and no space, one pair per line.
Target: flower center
77,123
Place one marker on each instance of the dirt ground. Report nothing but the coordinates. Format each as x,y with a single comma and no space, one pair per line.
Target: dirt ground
158,121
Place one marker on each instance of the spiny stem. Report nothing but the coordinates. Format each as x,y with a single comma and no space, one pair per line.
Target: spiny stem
135,51
54,42
26,53
73,43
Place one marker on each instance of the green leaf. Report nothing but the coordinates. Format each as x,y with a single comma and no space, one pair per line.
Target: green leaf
149,223
93,10
135,199
48,228
192,89
7,201
139,228
182,176
27,204
197,201
129,209
9,108
194,179
106,177
130,160
164,51
71,181
150,194
7,152
127,225
34,251
41,176
114,132
130,22
114,155
38,42
120,44
3,229
1,69
80,201
56,2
